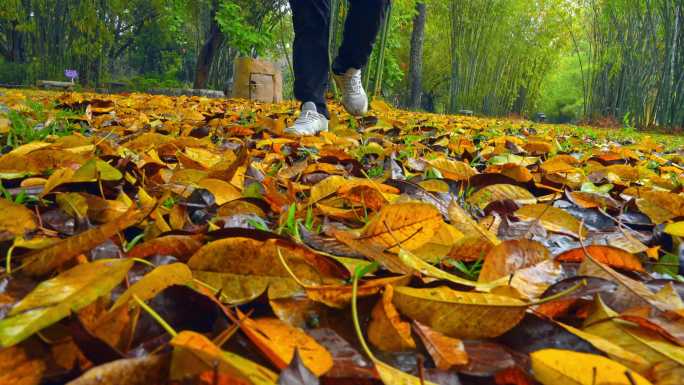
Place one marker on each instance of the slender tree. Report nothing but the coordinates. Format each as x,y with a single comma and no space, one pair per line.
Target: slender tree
416,56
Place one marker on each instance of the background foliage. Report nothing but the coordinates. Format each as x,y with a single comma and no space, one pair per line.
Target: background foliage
572,59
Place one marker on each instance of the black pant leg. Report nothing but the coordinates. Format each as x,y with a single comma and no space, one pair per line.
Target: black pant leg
360,30
311,20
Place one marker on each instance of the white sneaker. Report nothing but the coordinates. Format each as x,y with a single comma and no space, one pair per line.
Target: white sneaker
354,98
309,122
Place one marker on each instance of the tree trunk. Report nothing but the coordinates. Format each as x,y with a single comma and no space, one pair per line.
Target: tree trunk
209,49
416,56
453,83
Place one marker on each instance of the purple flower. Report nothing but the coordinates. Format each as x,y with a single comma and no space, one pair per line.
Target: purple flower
71,74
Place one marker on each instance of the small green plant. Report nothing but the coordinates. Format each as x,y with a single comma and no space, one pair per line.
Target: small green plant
36,125
169,202
432,173
258,224
129,245
275,167
470,270
291,225
376,172
21,198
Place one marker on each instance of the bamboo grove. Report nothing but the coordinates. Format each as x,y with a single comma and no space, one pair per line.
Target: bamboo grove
575,60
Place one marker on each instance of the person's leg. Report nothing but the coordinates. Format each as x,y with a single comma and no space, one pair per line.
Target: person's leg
360,30
311,20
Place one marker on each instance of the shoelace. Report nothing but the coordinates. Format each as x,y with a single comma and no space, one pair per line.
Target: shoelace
307,117
353,84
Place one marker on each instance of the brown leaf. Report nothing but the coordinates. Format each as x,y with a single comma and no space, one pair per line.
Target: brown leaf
152,369
445,351
509,256
179,246
19,366
610,256
48,259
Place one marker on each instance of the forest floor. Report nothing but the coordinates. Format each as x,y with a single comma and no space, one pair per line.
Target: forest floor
186,240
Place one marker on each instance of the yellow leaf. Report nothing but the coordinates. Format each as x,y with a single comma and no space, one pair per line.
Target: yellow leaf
386,329
497,192
409,225
278,341
155,281
462,221
223,192
453,169
553,219
16,219
566,367
467,315
58,297
675,229
194,353
625,357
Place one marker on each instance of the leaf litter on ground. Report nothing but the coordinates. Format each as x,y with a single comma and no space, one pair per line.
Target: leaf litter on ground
183,240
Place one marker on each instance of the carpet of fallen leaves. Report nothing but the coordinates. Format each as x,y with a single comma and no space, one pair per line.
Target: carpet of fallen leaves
158,240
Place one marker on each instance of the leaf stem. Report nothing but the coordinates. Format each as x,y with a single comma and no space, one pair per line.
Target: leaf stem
156,316
561,294
360,272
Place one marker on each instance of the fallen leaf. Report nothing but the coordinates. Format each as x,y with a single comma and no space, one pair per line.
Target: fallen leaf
386,330
152,369
44,261
154,282
56,298
445,351
553,219
19,366
297,373
615,352
610,256
499,192
194,353
675,229
409,225
278,341
459,314
509,256
565,367
16,219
